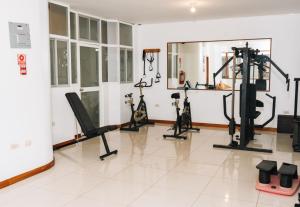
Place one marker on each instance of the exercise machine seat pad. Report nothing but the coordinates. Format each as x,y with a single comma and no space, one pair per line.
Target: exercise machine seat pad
266,169
80,112
257,114
84,119
259,103
175,95
288,172
288,169
268,166
261,84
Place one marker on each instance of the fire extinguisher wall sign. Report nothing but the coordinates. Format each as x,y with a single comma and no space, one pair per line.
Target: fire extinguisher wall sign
22,64
181,77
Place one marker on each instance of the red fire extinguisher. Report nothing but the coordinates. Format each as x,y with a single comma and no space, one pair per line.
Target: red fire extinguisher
181,77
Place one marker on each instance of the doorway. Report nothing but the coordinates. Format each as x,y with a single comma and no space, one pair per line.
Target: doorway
90,81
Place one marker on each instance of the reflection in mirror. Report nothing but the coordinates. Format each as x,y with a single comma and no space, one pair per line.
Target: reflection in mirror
196,62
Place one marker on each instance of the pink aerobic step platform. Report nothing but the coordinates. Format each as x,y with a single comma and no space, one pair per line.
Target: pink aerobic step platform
275,188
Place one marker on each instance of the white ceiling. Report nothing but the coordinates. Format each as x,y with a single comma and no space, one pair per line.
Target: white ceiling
155,11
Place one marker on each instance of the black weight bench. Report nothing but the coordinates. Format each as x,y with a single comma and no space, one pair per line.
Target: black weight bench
86,124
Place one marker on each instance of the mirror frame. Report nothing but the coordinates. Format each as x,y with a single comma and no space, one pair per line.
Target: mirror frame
200,89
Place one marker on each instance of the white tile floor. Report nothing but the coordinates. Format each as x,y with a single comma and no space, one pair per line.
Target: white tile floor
151,171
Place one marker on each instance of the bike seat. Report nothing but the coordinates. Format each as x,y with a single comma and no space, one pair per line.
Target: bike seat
128,95
175,95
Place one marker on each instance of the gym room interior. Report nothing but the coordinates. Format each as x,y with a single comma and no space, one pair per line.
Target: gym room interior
128,103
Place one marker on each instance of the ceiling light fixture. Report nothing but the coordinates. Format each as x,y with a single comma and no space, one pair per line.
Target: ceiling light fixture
193,9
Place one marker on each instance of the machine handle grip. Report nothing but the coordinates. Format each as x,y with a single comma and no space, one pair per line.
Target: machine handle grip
225,106
148,86
273,112
227,95
272,97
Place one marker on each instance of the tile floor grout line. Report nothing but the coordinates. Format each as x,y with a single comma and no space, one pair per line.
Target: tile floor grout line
210,181
128,159
152,185
196,199
258,199
148,188
169,171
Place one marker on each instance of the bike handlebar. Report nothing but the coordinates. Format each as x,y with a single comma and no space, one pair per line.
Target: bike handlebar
143,84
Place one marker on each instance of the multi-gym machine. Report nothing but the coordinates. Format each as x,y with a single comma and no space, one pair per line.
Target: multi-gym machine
296,134
139,117
184,120
248,102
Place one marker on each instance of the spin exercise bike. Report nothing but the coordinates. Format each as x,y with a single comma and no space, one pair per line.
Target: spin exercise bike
139,117
184,121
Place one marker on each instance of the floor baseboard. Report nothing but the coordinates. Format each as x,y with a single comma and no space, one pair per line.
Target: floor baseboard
221,126
209,125
26,175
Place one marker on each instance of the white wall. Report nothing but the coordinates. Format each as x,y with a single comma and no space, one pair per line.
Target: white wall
111,105
207,105
25,117
63,120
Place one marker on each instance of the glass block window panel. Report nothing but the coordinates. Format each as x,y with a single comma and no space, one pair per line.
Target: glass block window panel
110,64
129,66
126,65
94,31
112,28
109,32
73,25
113,64
104,64
104,32
84,28
125,34
62,62
74,62
58,19
52,62
123,66
89,67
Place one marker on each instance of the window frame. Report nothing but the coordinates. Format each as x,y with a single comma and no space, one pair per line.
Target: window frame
126,49
89,18
67,17
56,84
128,24
78,41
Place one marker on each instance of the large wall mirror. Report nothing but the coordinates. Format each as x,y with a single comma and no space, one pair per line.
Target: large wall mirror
196,62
